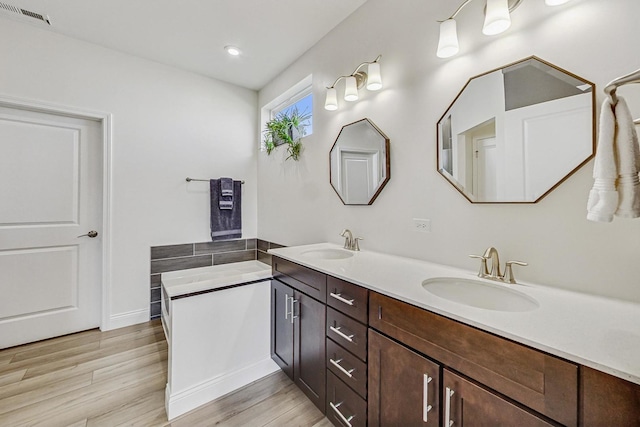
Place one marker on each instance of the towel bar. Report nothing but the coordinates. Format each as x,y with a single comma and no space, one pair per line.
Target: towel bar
203,180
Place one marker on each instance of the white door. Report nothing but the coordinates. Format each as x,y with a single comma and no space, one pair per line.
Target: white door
485,167
359,176
50,193
546,141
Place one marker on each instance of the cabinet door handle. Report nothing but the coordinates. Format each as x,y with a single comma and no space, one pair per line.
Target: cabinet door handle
342,334
336,363
286,307
293,316
340,298
448,422
426,408
342,417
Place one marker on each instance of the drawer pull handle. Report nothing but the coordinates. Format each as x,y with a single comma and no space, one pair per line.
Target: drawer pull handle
448,422
336,363
342,334
426,408
341,299
337,411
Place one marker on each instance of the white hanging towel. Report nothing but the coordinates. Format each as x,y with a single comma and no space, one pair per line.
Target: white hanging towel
603,198
628,155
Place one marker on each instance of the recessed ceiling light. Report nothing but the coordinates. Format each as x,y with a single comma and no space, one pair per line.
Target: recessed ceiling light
232,50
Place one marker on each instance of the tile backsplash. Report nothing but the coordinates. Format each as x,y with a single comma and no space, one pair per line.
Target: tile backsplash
263,247
205,254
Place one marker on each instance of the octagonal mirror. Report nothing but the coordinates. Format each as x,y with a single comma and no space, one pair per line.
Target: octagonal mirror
359,163
514,134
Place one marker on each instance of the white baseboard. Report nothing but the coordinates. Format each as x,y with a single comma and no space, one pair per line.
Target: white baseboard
189,399
129,318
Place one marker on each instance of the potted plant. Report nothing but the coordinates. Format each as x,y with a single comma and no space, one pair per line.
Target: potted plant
287,127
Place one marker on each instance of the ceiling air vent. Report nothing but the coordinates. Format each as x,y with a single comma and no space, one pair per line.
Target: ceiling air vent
10,10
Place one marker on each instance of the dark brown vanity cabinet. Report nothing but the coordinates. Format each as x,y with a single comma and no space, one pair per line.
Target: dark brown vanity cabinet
298,327
485,380
319,339
366,359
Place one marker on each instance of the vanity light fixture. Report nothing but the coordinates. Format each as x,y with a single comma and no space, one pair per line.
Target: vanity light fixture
355,81
232,50
497,19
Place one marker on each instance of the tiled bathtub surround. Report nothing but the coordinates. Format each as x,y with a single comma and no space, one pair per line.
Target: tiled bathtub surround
194,255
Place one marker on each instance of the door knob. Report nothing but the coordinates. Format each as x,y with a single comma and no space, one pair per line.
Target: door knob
91,234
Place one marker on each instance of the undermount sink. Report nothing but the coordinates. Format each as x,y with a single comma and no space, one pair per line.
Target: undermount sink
328,253
479,294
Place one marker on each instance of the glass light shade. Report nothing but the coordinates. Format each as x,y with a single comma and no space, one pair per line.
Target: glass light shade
331,101
448,43
496,18
351,89
555,2
374,79
232,50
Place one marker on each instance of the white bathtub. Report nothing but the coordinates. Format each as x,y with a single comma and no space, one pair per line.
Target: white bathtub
217,323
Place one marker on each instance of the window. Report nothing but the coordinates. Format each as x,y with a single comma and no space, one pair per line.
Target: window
299,96
303,102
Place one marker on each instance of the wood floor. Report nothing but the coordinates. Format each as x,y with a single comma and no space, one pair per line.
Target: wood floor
118,378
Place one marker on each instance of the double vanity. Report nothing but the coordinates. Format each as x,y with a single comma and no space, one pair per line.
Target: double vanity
376,339
380,340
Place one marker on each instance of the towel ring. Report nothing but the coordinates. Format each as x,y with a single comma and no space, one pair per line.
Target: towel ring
612,87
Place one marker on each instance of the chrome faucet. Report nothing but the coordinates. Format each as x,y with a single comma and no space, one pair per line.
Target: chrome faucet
491,254
350,242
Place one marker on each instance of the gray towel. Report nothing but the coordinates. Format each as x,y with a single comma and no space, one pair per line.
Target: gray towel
226,193
226,187
226,222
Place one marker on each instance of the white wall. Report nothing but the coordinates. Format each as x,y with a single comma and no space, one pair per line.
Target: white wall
594,39
167,124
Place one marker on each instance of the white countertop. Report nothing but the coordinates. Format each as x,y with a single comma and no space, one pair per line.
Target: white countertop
597,332
203,279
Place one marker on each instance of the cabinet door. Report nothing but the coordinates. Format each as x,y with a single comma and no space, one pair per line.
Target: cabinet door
608,400
282,326
467,404
309,350
403,386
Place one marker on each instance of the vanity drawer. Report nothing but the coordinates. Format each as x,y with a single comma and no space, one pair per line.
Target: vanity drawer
348,298
344,406
306,280
542,382
347,332
351,370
